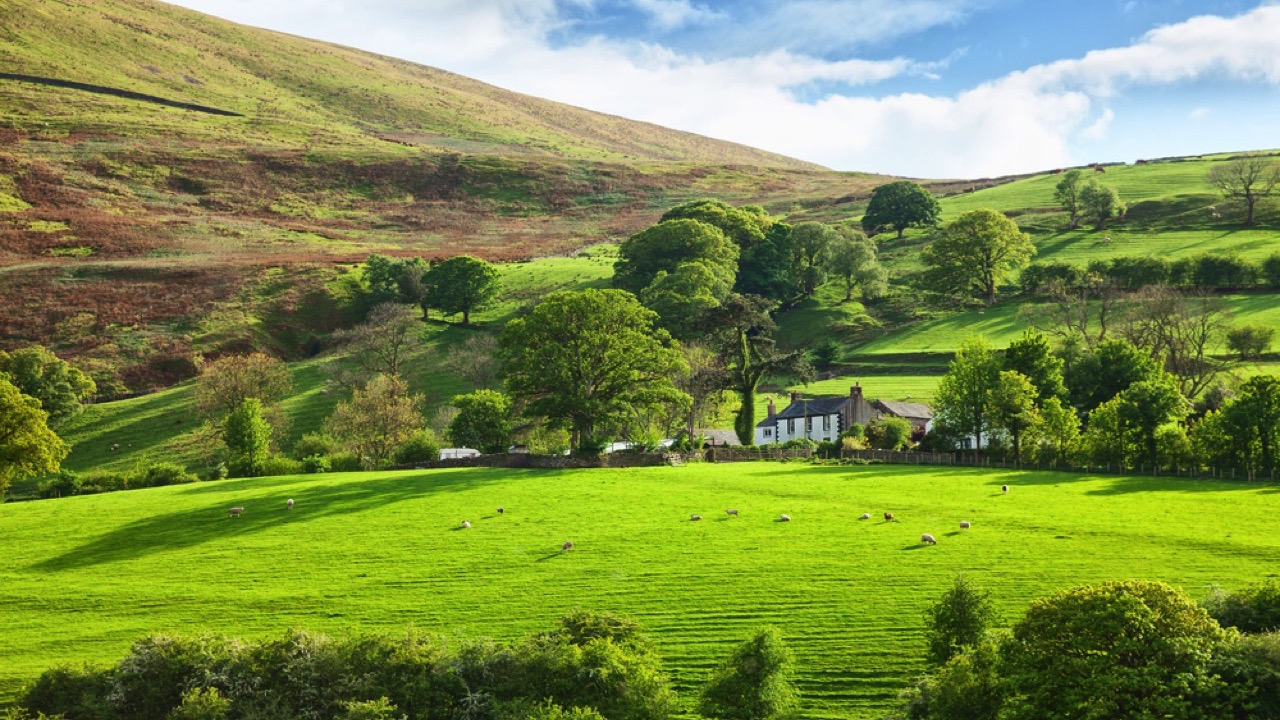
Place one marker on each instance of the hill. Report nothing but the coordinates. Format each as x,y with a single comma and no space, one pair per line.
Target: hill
381,551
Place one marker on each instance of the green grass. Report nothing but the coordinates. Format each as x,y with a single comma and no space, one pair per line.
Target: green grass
84,577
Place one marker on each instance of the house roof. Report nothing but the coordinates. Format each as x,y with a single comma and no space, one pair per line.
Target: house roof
719,437
905,409
813,407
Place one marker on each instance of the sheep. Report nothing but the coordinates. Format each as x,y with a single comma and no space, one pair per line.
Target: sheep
888,517
927,539
695,518
235,512
964,524
567,546
731,512
465,525
501,510
289,503
784,518
1004,489
865,516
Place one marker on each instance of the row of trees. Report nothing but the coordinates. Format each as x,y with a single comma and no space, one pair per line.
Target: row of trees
1206,271
460,284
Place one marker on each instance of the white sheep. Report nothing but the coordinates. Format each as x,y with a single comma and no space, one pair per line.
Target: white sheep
865,516
465,524
784,518
731,512
964,524
567,546
928,539
289,503
695,518
235,512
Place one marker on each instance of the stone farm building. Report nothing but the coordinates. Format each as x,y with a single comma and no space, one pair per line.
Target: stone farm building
825,418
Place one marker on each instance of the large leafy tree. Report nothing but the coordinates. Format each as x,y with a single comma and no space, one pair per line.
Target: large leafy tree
460,284
1254,417
1012,406
247,435
1108,370
27,445
683,295
1032,355
755,683
975,252
962,400
1100,203
1067,193
900,205
668,245
224,384
483,421
852,258
588,358
743,334
1145,407
376,421
1119,650
57,384
811,241
1247,179
768,263
746,226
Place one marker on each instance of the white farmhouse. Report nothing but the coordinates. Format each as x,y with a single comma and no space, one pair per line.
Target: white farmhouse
818,419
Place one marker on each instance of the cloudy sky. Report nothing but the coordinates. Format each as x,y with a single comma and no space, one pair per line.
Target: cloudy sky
925,88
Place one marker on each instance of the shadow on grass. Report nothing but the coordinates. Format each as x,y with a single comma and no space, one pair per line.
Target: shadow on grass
264,509
551,556
914,546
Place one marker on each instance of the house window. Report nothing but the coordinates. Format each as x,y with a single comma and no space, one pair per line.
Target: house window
826,423
791,426
808,425
768,432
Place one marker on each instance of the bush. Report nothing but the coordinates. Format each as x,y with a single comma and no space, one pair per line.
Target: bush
1223,272
314,444
959,619
159,474
1252,609
890,433
103,481
73,693
345,462
313,464
1250,666
217,472
755,683
1251,341
828,449
800,443
202,704
380,709
1037,277
149,682
280,465
421,447
1135,273
593,445
65,484
1271,270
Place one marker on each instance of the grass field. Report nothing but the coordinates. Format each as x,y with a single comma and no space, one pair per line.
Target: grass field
83,577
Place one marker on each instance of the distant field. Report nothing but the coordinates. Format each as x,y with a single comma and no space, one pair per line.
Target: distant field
84,577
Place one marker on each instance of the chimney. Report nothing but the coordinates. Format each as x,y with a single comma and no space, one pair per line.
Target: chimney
795,397
772,409
855,392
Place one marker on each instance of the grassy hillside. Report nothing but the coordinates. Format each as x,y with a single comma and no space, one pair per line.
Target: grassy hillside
381,551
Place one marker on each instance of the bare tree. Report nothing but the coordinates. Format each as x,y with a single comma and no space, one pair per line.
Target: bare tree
1081,311
1179,330
379,345
1248,178
704,383
476,360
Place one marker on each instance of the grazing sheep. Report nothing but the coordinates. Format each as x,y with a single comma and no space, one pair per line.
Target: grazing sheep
465,524
695,518
964,524
235,512
567,546
289,503
928,539
731,512
1004,489
865,516
888,517
784,518
501,510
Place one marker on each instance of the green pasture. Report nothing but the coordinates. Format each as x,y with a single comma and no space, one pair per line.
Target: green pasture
83,577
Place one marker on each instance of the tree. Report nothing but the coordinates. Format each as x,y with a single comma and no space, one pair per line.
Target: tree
959,619
742,332
703,378
483,421
962,400
460,284
746,226
1254,417
1012,404
1179,330
1146,406
976,251
1032,356
681,297
811,241
224,384
852,258
889,433
755,683
900,205
476,360
376,421
27,445
770,268
56,383
1067,193
1100,203
382,276
670,244
1057,438
587,358
247,435
1251,341
1120,650
1249,179
1112,367
379,345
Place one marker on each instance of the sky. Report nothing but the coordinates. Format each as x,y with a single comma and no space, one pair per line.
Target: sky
920,88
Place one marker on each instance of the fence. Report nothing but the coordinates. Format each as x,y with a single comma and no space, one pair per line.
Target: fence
909,457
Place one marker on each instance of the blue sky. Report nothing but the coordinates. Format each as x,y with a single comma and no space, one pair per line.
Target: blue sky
925,88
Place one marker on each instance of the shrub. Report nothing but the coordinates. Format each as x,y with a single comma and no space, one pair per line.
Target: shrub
1252,609
280,465
345,462
1037,277
73,693
65,484
314,444
1250,341
592,445
421,447
315,464
380,709
149,682
159,474
800,443
828,449
755,683
959,619
1223,272
103,481
202,704
966,688
1135,273
1250,667
890,433
1271,270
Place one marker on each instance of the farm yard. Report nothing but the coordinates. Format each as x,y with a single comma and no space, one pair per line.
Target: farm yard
87,576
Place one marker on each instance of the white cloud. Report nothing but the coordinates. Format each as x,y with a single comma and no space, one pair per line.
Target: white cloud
1199,113
1026,120
673,14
